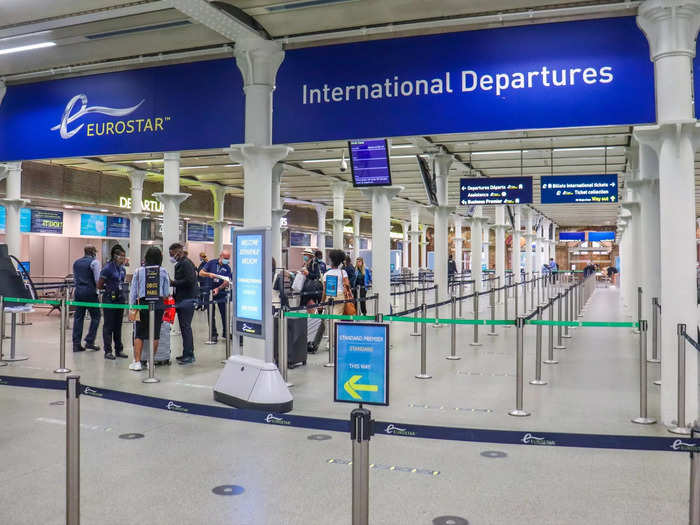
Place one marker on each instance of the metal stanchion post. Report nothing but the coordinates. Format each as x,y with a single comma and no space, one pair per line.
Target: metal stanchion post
533,284
476,342
643,418
229,324
361,429
516,300
331,338
550,332
572,302
525,283
415,313
62,338
437,308
453,333
505,305
423,294
695,481
2,320
538,351
680,427
654,330
461,294
639,307
73,450
151,345
579,299
492,307
23,320
567,302
423,347
282,359
405,298
560,343
520,328
211,307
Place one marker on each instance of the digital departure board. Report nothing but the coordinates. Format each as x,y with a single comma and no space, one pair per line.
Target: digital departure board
369,162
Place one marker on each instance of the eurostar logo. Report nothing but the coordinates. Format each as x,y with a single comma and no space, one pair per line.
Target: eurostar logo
91,392
686,447
529,439
119,127
274,420
175,407
398,431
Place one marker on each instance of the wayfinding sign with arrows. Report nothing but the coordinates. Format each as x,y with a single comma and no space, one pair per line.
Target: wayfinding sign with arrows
567,189
362,363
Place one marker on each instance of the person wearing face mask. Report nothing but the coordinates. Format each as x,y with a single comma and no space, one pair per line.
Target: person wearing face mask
186,291
86,272
213,271
202,299
111,283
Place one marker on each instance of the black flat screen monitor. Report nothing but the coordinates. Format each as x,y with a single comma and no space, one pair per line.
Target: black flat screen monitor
428,180
369,163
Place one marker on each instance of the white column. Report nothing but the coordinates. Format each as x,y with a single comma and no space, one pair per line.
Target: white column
671,27
171,197
406,226
553,244
424,246
381,242
459,248
339,221
501,228
277,213
515,245
321,212
13,202
219,197
258,62
442,211
486,242
3,90
355,236
529,217
476,247
631,214
136,215
415,240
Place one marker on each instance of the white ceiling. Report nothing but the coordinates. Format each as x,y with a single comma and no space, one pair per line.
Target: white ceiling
95,33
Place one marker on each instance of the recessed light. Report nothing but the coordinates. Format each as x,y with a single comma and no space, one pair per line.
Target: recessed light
104,211
68,206
19,49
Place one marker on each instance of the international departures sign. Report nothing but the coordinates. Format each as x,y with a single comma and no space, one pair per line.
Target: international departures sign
584,73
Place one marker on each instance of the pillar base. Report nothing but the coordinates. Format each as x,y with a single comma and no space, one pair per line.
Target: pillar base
453,357
550,362
681,431
644,420
519,413
538,382
423,376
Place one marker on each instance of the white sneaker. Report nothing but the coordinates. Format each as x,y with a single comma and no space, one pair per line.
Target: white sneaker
136,366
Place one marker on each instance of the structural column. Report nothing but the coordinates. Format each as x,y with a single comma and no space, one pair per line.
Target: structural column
476,247
136,215
13,202
631,213
321,211
381,242
671,27
553,244
459,253
339,221
404,245
515,245
171,197
442,212
424,246
355,235
501,228
277,213
529,219
219,196
415,240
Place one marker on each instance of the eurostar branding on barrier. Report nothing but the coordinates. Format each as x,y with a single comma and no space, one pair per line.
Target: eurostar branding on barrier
168,108
537,76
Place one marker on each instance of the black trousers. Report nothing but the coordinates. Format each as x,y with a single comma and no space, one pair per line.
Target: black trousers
184,317
362,301
220,301
112,326
79,319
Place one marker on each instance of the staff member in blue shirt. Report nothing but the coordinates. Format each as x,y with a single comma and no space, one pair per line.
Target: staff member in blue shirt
86,273
111,283
137,295
212,271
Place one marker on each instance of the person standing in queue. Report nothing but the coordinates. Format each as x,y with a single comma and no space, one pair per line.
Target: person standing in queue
86,273
363,278
213,271
111,282
186,292
202,299
150,284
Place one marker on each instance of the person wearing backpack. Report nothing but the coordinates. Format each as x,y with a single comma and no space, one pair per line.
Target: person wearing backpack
335,282
350,270
312,290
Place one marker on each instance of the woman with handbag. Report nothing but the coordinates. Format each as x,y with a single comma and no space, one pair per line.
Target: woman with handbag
335,282
363,278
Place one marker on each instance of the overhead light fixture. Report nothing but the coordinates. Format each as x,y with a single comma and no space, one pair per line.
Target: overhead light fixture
402,146
104,210
498,152
146,161
320,160
403,156
194,167
29,47
68,206
231,165
583,148
186,219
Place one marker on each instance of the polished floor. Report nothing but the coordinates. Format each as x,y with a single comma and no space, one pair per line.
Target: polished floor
290,477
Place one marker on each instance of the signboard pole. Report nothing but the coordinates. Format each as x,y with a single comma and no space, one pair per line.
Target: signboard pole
423,348
331,362
151,345
361,430
211,310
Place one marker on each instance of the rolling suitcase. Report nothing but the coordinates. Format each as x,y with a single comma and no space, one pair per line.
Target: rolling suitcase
315,330
296,342
163,352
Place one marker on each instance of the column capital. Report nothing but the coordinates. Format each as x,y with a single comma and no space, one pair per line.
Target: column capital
249,153
137,177
629,206
638,183
443,161
339,188
654,135
670,26
258,61
7,167
14,202
218,192
389,191
342,222
176,198
321,211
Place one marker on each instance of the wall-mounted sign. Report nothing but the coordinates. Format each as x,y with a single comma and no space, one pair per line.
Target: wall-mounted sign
200,232
25,220
92,225
329,240
422,86
151,205
601,236
364,243
568,189
167,108
495,190
47,221
300,239
369,162
572,236
118,227
361,363
251,282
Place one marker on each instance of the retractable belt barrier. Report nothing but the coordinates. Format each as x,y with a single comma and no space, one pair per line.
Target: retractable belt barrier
387,428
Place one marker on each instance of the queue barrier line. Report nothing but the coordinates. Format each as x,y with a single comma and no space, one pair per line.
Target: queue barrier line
118,306
306,315
31,301
385,428
600,324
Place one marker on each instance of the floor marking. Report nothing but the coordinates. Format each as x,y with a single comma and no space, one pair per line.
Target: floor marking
448,408
63,422
131,435
228,490
391,468
319,437
494,454
485,374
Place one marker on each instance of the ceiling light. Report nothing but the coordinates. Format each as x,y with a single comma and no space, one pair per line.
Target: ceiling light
68,206
401,146
104,211
146,161
186,219
29,47
588,148
195,167
231,165
498,152
403,156
320,160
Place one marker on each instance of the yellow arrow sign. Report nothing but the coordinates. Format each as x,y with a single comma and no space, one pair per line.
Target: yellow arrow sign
351,387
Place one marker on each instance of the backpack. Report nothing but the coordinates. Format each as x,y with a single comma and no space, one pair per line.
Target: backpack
312,291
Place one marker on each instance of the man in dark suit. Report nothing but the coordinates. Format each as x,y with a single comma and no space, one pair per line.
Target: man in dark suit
186,291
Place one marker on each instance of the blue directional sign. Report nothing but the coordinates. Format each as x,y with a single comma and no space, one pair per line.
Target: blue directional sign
362,363
93,225
495,190
46,221
601,236
568,189
25,220
118,227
